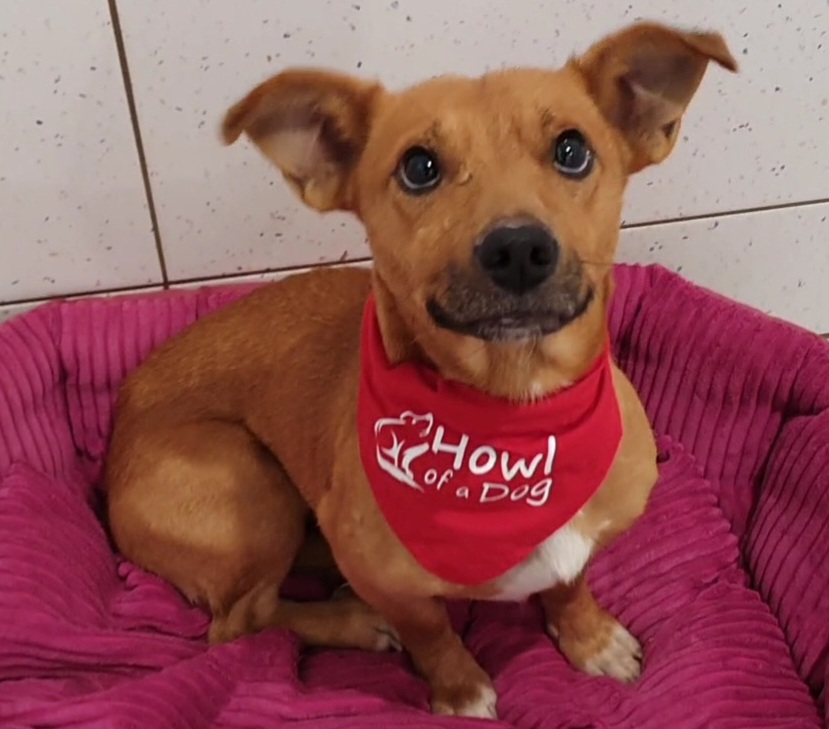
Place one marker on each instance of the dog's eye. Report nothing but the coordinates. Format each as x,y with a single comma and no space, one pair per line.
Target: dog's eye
572,155
419,171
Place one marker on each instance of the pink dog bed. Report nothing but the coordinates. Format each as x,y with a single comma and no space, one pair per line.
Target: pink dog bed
726,579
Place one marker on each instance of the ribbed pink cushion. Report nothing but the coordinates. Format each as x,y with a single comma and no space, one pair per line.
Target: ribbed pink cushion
726,579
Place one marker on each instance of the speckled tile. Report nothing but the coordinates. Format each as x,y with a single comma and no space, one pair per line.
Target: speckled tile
776,261
752,139
74,213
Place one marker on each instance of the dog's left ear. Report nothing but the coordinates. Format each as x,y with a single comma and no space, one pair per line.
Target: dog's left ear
643,79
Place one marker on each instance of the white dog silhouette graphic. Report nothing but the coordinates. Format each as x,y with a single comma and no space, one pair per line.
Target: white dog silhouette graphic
400,441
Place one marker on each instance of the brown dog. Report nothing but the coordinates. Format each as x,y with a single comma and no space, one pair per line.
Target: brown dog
492,207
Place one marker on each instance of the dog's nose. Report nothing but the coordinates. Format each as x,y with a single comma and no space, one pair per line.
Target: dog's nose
518,258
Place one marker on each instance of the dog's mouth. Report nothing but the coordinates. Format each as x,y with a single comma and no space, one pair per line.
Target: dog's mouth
514,324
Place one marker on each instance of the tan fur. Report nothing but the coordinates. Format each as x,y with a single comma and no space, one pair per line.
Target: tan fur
234,433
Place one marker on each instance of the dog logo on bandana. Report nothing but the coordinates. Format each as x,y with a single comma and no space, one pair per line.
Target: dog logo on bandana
399,442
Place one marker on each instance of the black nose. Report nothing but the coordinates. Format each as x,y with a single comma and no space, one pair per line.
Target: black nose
518,258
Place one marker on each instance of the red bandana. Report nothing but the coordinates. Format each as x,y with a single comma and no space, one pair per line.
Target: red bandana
472,484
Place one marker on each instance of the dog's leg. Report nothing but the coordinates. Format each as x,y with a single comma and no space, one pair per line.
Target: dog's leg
206,507
342,622
588,636
460,687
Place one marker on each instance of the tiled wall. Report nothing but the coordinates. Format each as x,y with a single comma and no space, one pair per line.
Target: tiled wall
110,111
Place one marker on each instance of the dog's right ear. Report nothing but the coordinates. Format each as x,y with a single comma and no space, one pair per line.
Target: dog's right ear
313,126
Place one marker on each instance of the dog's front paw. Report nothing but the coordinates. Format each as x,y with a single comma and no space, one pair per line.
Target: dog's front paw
608,649
474,700
621,658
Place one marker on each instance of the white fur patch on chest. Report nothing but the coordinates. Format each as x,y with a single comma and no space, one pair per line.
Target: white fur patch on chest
560,558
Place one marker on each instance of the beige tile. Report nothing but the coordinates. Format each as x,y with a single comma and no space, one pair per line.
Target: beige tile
752,139
776,261
73,206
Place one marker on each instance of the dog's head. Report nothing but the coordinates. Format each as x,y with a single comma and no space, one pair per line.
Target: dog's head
492,205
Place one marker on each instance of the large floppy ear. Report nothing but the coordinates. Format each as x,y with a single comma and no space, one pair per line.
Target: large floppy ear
643,79
313,126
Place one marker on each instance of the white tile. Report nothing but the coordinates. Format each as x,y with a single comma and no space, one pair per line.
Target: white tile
73,207
753,139
776,261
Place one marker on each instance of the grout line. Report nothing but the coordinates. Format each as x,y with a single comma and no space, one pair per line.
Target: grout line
80,294
159,285
282,269
136,129
727,213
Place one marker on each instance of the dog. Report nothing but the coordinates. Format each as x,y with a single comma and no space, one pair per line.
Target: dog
448,424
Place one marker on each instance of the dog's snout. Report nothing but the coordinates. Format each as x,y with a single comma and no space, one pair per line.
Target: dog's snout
518,258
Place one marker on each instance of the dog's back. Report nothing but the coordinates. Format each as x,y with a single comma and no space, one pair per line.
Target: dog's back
272,339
